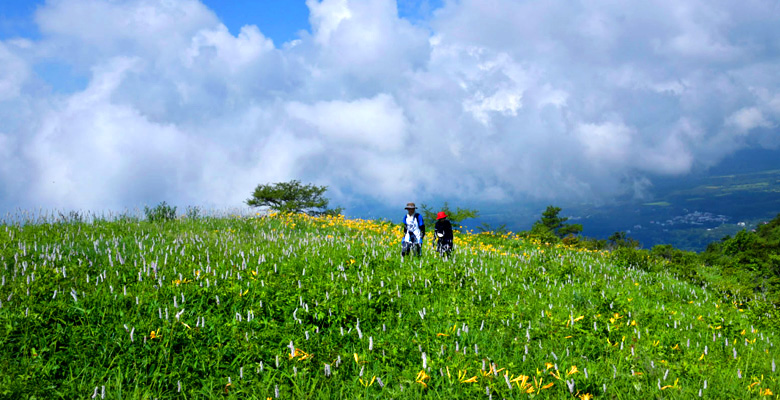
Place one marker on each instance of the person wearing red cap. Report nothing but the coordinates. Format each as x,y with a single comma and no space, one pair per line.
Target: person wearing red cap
444,238
414,231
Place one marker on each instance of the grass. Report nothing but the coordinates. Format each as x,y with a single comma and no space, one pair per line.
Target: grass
301,307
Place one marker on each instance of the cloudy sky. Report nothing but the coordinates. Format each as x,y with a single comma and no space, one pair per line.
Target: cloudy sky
121,103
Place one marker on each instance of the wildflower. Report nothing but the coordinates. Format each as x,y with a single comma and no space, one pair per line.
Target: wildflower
367,384
421,377
675,386
573,370
522,382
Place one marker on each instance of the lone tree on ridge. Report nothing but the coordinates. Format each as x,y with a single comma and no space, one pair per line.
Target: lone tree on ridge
292,197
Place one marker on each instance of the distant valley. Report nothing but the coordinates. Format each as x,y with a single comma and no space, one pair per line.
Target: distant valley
687,212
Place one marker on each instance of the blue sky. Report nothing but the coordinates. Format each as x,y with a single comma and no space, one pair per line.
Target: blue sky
281,20
16,19
114,104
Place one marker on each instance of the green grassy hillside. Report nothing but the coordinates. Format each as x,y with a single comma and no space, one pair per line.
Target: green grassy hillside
301,307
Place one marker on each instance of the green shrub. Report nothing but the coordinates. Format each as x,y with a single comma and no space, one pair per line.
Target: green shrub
628,257
193,212
160,213
72,217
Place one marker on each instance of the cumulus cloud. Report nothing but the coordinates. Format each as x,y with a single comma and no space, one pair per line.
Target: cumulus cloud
483,100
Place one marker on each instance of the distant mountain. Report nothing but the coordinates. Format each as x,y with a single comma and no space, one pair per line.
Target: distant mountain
687,212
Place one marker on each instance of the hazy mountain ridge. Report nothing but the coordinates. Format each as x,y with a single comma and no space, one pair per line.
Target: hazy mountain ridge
687,212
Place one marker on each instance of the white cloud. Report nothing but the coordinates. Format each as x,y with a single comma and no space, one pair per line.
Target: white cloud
325,16
608,142
87,30
748,118
13,74
503,101
486,100
377,122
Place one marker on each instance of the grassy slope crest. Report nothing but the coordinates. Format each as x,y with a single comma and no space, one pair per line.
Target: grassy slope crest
295,306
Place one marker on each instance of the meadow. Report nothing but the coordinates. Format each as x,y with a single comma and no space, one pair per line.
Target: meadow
293,306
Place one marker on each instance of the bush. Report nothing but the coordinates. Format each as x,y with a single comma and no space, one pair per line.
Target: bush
160,213
72,217
628,257
193,212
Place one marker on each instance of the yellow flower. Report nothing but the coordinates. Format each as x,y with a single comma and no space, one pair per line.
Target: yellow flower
675,386
421,377
155,335
586,396
367,384
573,370
766,392
521,381
302,355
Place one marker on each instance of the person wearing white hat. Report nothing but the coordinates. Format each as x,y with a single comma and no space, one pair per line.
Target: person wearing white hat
414,231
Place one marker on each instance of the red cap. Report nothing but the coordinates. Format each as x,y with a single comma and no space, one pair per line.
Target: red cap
441,215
